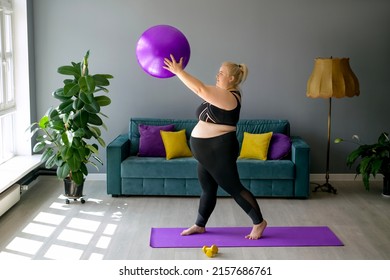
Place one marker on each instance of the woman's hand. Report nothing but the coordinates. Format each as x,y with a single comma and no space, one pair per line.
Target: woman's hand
173,66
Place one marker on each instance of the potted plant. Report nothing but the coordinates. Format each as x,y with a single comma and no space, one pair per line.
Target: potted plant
69,134
372,159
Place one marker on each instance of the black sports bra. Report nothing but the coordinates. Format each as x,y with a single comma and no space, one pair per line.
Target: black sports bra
209,113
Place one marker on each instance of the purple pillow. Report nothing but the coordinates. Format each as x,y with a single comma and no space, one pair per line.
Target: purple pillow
150,141
279,147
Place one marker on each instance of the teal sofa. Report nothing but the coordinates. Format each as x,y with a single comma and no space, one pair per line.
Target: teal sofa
132,175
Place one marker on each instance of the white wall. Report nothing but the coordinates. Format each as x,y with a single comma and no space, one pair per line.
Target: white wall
278,39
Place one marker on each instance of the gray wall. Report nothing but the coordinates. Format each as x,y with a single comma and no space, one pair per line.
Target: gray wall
277,39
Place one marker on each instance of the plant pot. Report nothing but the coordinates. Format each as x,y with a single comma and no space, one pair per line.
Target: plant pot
73,190
386,186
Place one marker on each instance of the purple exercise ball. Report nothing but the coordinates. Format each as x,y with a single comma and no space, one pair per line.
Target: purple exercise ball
157,43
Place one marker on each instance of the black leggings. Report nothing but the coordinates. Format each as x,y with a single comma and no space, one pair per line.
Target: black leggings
217,166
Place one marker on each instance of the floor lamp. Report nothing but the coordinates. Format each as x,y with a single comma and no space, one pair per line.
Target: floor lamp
331,77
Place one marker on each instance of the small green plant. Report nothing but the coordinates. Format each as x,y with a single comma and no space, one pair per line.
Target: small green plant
372,159
69,134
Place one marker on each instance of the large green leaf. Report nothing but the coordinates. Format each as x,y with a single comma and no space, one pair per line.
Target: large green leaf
78,104
95,130
57,125
103,100
53,114
69,70
66,152
71,89
78,177
107,76
63,171
366,180
87,134
92,108
353,156
100,88
43,121
66,106
101,142
84,169
376,166
95,119
83,152
79,133
87,84
93,149
64,138
86,97
74,161
365,165
69,134
39,147
51,161
69,81
81,118
47,154
101,80
59,94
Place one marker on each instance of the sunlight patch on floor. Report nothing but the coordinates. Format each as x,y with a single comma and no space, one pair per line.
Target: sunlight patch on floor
104,242
57,252
38,229
24,245
59,206
49,218
110,229
83,224
75,236
63,231
96,257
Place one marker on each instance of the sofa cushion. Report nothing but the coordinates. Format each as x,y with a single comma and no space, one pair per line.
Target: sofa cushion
175,143
269,169
150,142
134,135
280,146
154,167
255,146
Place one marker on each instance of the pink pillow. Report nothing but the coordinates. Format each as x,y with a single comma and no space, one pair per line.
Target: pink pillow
279,147
150,141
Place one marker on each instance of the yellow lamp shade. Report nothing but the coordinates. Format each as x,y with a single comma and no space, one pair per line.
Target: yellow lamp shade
332,77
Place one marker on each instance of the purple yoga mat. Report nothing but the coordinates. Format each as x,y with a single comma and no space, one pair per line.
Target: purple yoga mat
235,237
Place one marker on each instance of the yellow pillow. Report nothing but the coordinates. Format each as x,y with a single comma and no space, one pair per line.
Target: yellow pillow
255,146
175,143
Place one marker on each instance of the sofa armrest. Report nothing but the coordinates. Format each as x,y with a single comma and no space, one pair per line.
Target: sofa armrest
300,155
117,151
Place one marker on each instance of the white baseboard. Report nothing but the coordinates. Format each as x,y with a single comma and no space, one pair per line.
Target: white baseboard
96,177
341,177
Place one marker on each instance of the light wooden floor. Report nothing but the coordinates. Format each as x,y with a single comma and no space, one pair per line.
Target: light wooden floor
41,226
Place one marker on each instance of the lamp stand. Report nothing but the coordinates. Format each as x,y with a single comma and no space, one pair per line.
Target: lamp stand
327,186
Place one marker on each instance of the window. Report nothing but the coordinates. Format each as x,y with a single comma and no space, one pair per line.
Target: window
7,94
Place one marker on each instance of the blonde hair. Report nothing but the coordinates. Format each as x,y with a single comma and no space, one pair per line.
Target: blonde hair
238,71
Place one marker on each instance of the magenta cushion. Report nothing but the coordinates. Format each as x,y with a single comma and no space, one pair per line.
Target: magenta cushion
150,142
279,147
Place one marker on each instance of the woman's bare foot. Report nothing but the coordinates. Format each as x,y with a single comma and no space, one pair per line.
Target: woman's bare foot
257,230
192,230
